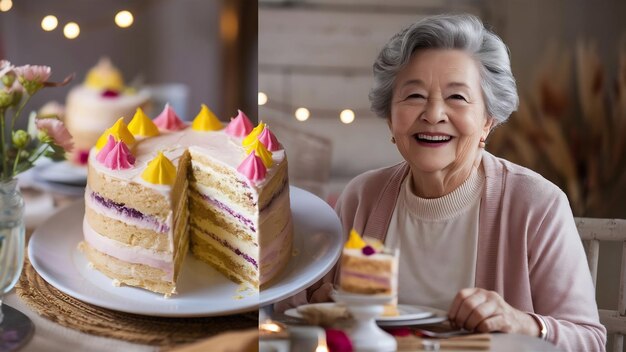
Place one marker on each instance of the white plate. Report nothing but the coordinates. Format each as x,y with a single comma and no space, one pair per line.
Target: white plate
350,299
62,172
202,290
406,312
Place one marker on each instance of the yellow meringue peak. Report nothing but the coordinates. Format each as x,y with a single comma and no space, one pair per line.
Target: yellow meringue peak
355,241
141,125
105,76
254,135
160,171
261,151
119,131
206,120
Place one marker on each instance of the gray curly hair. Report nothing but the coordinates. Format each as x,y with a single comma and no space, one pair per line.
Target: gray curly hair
464,32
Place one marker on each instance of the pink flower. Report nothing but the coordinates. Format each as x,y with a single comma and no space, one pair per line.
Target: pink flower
33,73
57,131
32,77
5,67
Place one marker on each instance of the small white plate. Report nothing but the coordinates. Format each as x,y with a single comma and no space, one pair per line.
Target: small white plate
406,312
202,291
63,172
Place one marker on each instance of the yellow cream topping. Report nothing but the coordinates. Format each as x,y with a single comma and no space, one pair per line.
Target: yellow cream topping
160,171
105,76
261,151
141,125
355,241
254,135
119,131
206,120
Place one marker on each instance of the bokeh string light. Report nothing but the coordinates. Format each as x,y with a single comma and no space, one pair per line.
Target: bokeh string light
124,19
71,30
49,23
74,27
303,113
6,5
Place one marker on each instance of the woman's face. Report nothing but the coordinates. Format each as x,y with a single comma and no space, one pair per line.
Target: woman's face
438,115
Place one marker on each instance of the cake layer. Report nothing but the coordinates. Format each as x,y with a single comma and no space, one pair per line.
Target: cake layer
133,195
132,254
375,264
124,213
224,258
133,274
126,233
364,283
223,179
206,216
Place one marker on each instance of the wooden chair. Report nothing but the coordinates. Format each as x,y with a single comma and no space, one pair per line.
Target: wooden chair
592,231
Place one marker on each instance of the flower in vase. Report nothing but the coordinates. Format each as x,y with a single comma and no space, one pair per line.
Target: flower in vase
20,149
56,131
32,77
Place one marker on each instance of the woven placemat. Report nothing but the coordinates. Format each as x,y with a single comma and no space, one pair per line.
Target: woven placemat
60,308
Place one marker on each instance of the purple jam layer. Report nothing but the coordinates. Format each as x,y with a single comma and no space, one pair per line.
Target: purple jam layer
230,247
247,222
132,213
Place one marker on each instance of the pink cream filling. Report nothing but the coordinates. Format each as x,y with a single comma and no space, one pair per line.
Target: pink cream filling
269,264
136,255
377,279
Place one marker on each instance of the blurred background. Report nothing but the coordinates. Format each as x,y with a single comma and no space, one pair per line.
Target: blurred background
190,51
568,56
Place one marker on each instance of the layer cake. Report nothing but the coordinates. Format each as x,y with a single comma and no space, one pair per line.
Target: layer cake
157,188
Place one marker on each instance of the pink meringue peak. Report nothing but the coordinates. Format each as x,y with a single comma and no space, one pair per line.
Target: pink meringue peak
106,149
252,168
240,126
116,157
168,120
269,140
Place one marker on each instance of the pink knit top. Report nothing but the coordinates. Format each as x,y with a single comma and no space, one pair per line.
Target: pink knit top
529,250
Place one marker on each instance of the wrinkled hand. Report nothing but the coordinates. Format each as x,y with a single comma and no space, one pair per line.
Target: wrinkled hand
476,309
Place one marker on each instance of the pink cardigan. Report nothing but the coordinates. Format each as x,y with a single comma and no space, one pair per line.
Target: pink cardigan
529,250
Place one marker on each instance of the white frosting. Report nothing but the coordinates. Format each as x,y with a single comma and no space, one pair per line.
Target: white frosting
269,260
131,254
88,110
217,146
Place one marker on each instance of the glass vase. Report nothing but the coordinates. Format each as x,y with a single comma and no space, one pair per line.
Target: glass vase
12,233
16,329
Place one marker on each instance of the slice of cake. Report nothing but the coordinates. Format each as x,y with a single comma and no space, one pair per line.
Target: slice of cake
157,188
367,267
95,105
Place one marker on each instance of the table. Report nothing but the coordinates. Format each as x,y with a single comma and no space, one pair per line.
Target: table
499,342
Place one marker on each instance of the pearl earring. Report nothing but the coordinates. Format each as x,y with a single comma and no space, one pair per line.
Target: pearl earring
481,144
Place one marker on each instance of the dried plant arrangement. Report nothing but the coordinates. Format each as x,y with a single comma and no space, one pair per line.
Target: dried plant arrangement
571,128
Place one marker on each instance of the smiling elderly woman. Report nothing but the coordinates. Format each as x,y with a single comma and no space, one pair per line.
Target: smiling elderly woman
491,242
